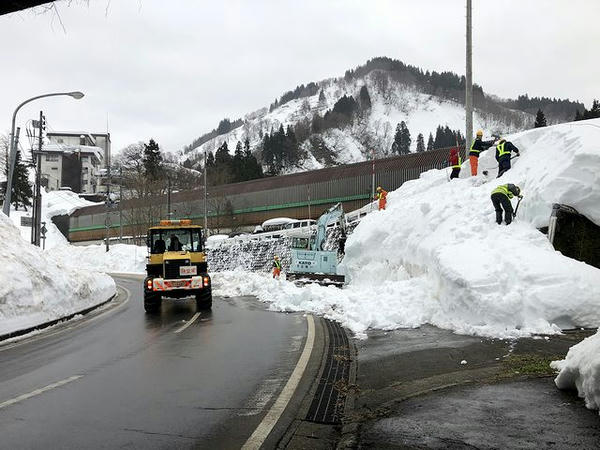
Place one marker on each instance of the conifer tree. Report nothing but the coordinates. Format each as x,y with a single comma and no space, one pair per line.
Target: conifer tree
321,96
364,97
430,142
540,119
420,143
152,160
21,188
405,141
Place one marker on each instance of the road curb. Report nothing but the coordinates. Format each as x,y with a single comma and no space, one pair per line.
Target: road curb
350,427
50,323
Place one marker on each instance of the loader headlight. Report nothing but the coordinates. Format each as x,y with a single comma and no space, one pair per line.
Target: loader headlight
149,284
206,281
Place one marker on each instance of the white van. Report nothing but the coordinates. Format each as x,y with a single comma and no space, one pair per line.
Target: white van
276,224
304,223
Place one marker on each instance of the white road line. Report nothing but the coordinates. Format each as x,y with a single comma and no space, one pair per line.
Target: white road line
191,321
20,398
266,426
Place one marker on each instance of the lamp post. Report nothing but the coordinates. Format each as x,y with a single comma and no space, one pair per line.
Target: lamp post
13,149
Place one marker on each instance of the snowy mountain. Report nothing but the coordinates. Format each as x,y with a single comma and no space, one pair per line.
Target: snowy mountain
396,93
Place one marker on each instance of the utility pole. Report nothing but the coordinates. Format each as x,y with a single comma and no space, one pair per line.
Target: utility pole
309,215
37,199
120,206
469,82
168,197
372,178
205,198
107,220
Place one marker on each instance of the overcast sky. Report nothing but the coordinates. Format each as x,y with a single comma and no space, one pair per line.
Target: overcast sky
171,70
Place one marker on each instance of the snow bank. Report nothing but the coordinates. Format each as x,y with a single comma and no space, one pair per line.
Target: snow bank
437,256
581,370
36,287
122,258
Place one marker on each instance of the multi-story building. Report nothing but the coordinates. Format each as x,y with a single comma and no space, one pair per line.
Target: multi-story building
74,138
76,167
88,175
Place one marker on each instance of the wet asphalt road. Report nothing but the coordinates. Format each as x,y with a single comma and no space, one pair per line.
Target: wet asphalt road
121,378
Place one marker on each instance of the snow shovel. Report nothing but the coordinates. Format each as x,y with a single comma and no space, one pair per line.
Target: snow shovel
517,208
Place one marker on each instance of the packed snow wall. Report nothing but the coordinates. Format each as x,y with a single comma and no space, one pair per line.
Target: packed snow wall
38,286
257,255
574,235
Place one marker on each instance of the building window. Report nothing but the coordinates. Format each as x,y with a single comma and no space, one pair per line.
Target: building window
51,157
84,158
60,140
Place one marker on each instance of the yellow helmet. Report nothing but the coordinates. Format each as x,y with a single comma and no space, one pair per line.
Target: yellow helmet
479,132
276,257
378,188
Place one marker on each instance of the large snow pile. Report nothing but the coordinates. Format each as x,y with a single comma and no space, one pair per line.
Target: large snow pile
581,370
121,258
54,203
36,287
437,256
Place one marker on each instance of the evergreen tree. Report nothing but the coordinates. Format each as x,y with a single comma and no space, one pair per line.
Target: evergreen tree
540,119
420,143
364,97
430,142
21,188
210,160
321,96
594,113
222,156
152,160
253,169
405,141
402,140
578,115
238,163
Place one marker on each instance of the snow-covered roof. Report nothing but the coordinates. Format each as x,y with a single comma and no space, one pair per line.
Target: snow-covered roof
277,221
62,148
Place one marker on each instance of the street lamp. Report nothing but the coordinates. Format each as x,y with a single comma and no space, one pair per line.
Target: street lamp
13,148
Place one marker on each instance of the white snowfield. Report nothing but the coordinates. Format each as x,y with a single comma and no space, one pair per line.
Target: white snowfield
581,370
437,256
36,287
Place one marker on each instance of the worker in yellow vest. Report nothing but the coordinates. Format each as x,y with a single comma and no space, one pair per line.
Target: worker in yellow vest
276,267
501,197
381,195
503,157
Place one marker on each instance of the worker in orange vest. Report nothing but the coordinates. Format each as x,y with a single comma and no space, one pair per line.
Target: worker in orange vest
381,196
276,267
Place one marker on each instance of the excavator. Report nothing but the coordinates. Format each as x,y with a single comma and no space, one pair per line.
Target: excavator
310,263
